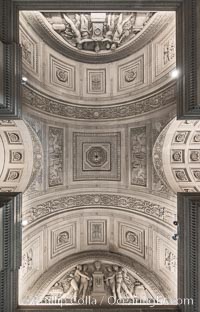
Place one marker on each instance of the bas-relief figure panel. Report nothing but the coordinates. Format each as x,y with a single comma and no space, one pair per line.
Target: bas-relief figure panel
55,156
138,141
98,279
32,259
164,54
165,258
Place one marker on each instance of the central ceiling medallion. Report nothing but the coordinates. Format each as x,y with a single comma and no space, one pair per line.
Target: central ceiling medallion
97,32
96,156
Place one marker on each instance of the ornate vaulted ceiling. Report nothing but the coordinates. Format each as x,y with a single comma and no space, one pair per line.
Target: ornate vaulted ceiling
98,97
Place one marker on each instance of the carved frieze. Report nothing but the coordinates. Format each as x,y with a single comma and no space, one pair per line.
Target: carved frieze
136,205
46,104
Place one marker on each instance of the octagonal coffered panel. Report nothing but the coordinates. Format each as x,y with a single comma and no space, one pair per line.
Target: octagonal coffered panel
96,156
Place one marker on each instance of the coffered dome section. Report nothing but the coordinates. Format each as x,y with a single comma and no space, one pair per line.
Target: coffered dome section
130,77
16,161
177,155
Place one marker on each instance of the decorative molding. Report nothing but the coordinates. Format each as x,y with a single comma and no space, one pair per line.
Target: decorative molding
96,232
63,239
132,238
188,249
96,81
41,102
131,74
29,50
97,156
10,249
42,27
10,80
62,74
14,137
65,203
164,53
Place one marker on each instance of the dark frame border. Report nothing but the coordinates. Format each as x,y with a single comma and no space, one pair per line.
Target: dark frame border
189,249
188,106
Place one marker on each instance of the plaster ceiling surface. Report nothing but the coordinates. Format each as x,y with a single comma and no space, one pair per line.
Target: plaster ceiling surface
95,193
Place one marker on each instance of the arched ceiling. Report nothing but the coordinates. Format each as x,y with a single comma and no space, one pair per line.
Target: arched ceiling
94,37
96,116
137,83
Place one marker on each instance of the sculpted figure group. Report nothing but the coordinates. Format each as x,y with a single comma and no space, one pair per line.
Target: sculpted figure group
80,282
85,32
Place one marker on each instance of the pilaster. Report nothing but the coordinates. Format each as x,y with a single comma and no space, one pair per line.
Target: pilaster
189,250
188,59
10,249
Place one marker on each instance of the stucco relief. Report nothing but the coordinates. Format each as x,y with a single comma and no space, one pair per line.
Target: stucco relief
62,74
147,208
30,50
97,32
170,261
98,279
138,156
62,238
132,238
97,232
55,156
41,102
